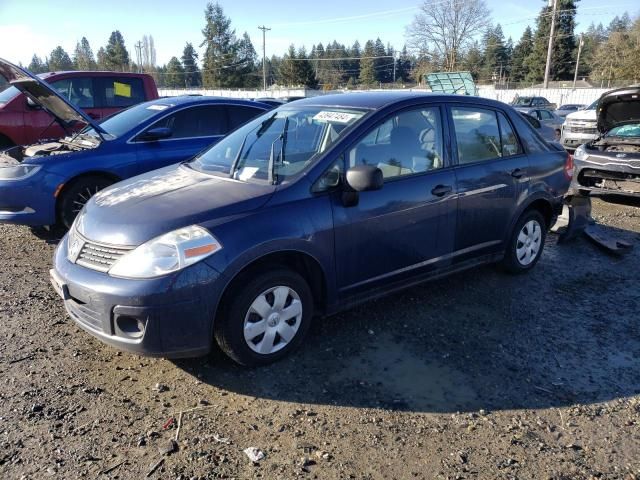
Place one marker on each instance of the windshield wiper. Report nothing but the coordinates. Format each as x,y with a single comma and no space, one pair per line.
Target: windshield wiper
263,126
273,176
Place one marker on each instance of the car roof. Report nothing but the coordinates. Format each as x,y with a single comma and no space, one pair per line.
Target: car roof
94,73
377,100
203,100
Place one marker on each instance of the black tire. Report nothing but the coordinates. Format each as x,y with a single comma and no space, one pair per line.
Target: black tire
511,262
230,322
76,195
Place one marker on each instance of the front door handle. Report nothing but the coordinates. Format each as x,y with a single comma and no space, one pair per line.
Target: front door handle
517,173
441,190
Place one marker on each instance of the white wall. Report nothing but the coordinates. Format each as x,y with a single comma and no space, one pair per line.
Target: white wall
555,95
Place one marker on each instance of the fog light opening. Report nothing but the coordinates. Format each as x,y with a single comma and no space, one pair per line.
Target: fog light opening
130,326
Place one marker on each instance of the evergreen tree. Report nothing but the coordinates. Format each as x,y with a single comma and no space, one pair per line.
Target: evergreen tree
60,60
101,59
494,54
174,75
522,50
246,74
220,48
473,61
564,45
83,56
306,75
192,77
368,64
288,71
37,65
595,36
116,55
380,63
354,65
403,66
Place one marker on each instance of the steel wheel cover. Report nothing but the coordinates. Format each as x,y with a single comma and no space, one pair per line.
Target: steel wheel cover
273,320
529,242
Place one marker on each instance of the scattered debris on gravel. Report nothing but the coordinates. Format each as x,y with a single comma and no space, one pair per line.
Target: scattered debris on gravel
480,375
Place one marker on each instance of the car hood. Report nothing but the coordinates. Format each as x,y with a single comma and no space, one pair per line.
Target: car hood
583,115
41,92
618,107
141,208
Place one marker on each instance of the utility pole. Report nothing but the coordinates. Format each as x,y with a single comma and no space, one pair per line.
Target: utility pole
264,56
138,47
575,75
550,49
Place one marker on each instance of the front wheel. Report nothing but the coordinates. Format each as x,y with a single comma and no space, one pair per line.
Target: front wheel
526,243
263,320
77,195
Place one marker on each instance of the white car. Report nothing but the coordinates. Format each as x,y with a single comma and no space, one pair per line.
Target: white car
580,127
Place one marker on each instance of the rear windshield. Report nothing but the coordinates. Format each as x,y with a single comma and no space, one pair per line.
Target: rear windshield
523,101
122,122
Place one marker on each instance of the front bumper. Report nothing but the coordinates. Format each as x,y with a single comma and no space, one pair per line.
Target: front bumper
27,202
604,177
572,140
171,316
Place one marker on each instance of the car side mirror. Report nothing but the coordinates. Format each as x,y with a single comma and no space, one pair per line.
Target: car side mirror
33,105
154,134
365,178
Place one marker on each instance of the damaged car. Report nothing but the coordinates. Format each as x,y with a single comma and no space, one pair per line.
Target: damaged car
609,166
48,183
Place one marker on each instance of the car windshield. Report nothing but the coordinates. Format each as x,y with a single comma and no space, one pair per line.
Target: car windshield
278,144
523,101
592,106
629,130
122,122
8,94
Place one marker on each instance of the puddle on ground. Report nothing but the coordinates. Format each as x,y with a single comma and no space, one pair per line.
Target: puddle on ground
402,379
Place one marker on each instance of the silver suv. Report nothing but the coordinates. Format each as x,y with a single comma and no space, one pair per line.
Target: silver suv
580,127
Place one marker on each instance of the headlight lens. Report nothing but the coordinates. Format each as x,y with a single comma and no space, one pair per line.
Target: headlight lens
168,253
18,172
580,153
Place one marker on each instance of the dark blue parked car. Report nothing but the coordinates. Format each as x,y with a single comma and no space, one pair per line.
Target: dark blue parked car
48,183
308,209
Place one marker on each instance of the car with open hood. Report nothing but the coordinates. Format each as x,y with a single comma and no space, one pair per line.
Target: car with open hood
48,183
97,94
609,166
306,210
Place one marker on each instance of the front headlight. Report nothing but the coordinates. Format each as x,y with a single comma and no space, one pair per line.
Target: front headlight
168,253
580,153
18,172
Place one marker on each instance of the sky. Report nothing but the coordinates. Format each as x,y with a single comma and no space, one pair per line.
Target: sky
38,26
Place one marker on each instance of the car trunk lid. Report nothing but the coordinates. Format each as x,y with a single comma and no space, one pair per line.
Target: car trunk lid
618,107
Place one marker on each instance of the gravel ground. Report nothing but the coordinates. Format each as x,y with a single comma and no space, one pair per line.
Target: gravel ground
480,375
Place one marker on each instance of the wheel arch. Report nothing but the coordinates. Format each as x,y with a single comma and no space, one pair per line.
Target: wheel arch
300,261
539,202
64,187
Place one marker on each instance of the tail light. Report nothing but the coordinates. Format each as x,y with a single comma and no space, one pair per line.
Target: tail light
568,167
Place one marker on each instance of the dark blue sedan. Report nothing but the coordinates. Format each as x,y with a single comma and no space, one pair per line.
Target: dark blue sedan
304,211
48,183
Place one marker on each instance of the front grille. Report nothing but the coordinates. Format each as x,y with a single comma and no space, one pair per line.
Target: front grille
585,130
100,257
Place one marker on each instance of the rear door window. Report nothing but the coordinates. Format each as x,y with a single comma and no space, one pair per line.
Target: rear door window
77,90
120,92
477,134
201,121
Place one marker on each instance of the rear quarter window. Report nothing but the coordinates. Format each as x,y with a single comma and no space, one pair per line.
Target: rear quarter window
120,92
530,138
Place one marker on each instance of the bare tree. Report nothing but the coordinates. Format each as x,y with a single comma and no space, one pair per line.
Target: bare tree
444,28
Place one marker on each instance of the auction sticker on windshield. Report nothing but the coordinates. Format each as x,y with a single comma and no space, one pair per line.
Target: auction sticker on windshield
335,117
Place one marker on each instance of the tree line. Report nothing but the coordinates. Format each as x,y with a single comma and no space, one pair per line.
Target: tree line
436,41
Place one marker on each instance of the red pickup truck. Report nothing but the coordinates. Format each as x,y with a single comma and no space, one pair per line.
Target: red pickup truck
99,94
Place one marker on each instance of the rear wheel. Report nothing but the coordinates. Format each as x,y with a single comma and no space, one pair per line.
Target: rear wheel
263,320
77,195
526,243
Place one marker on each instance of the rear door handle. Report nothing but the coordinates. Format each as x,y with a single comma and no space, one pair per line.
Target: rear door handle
517,173
441,190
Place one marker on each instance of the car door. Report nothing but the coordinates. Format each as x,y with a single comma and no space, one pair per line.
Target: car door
192,130
405,228
491,174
